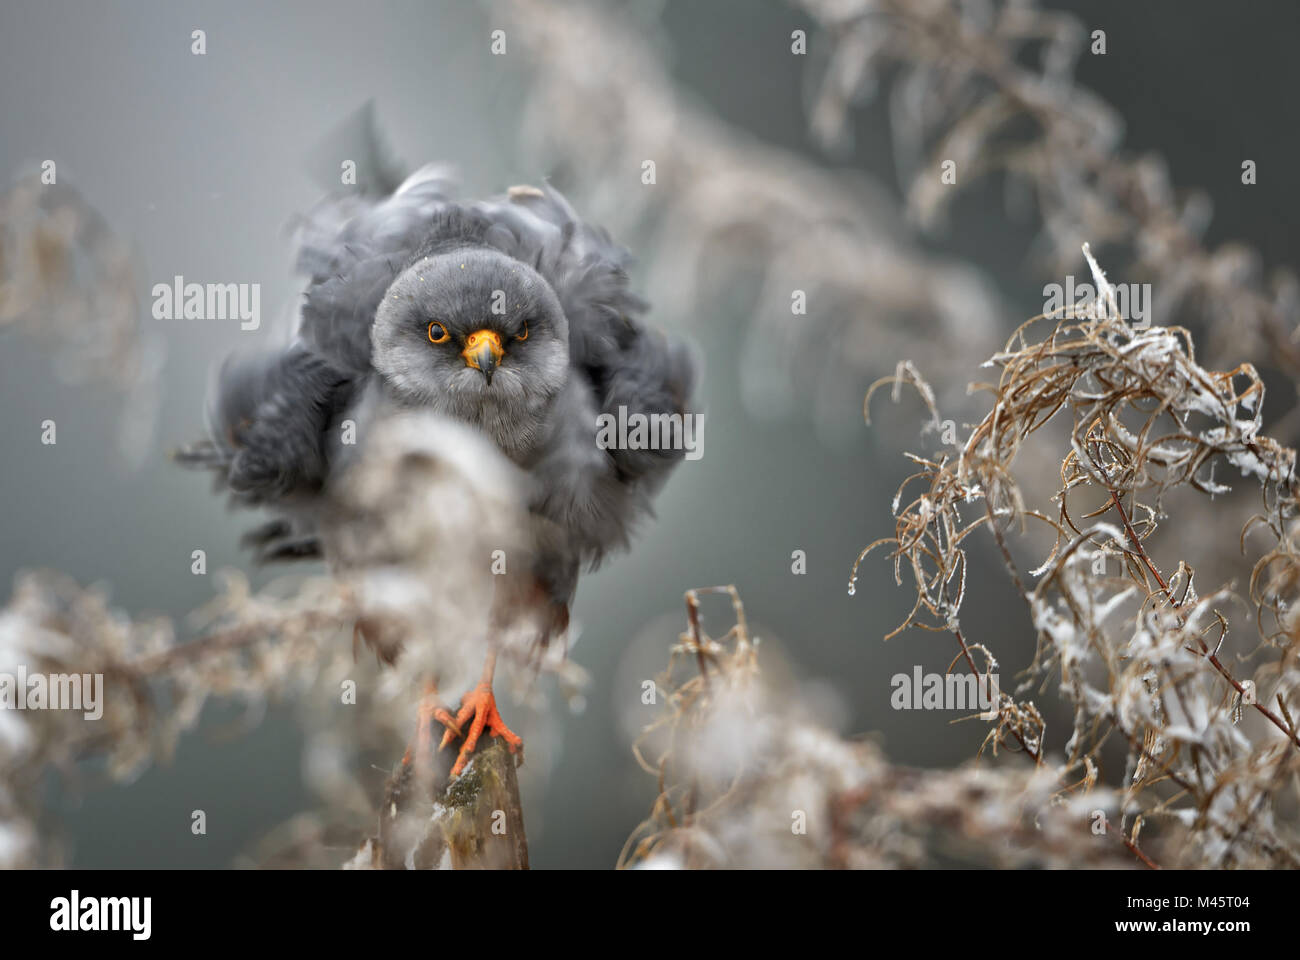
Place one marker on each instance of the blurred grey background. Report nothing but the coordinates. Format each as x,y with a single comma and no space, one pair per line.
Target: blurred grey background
200,162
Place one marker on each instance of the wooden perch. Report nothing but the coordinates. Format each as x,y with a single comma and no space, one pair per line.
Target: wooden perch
474,822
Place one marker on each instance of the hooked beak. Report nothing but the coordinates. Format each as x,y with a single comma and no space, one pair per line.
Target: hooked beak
483,352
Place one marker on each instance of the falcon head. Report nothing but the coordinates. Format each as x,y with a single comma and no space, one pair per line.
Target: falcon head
477,335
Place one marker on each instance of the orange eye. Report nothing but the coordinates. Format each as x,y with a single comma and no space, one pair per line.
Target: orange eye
524,335
438,333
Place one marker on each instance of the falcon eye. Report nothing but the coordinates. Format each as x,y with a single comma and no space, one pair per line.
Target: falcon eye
523,336
438,333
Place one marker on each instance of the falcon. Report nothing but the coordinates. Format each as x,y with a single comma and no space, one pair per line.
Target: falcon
511,316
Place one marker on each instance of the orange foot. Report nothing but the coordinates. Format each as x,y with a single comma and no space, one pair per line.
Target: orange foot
430,709
481,704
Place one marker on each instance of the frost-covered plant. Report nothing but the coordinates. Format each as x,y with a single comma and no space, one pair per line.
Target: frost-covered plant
1142,656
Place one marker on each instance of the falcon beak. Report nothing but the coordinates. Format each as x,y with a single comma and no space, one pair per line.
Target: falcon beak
483,352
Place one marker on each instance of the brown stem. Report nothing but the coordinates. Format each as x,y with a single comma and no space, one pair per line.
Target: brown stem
1173,602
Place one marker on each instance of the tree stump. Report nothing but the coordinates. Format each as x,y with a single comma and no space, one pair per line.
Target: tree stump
474,822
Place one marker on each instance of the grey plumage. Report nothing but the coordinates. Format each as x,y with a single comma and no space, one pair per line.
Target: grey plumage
388,276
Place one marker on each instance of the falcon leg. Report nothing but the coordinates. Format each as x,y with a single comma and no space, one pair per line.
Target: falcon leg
480,705
421,746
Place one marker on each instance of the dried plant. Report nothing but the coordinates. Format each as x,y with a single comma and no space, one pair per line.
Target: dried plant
989,85
154,688
1182,746
294,641
747,779
67,279
1141,657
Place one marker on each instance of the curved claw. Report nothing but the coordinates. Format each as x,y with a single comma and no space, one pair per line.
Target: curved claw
444,717
428,710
